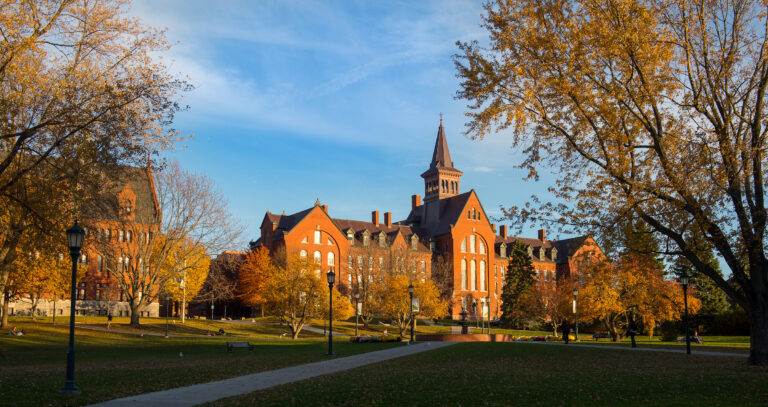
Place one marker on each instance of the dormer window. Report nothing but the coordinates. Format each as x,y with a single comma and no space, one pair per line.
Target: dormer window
365,240
414,242
382,240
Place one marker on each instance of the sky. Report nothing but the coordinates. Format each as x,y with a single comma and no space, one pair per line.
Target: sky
335,100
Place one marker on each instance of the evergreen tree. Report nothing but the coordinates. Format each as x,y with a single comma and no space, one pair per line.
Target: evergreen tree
713,298
519,279
641,241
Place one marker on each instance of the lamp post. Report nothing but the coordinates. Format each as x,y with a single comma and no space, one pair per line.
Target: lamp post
75,236
684,282
167,302
410,293
576,314
357,308
331,278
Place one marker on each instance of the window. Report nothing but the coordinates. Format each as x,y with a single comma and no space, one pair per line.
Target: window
423,266
99,263
331,259
471,243
349,279
482,275
303,254
108,234
464,245
305,240
128,235
82,294
84,259
360,262
472,275
120,264
366,240
121,236
370,263
482,246
463,274
469,214
318,257
98,294
350,261
317,237
330,243
381,263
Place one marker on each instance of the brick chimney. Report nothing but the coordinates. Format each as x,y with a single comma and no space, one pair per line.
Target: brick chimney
375,218
325,208
388,219
415,201
542,235
503,229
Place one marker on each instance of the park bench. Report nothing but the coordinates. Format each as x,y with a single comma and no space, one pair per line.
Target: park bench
239,345
600,335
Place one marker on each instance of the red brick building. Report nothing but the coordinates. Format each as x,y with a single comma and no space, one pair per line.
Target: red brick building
448,224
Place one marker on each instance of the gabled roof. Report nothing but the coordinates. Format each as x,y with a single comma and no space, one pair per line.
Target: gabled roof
449,210
140,182
566,247
358,227
287,222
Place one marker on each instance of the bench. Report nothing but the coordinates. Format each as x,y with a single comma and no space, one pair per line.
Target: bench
597,336
239,345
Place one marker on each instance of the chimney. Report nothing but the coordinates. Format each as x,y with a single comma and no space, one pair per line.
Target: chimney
503,231
325,208
493,227
388,219
415,201
542,235
375,218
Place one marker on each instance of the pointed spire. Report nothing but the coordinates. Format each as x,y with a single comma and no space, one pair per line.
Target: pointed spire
317,202
441,158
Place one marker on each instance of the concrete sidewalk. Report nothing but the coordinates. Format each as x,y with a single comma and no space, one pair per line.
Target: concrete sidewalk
205,392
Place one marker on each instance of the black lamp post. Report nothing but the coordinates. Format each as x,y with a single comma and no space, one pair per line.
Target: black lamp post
357,308
575,313
410,293
331,278
75,236
684,282
167,302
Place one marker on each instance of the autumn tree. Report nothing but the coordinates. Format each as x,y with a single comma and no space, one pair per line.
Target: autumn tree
654,108
252,276
547,302
392,299
442,276
519,279
295,293
83,88
184,273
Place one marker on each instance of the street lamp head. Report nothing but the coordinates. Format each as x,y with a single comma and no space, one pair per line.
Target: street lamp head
357,296
410,289
684,279
331,277
75,236
576,291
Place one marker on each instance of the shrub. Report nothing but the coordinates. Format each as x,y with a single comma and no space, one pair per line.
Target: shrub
669,331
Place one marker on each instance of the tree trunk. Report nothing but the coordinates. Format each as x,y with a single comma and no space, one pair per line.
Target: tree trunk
758,342
183,306
4,321
135,312
33,309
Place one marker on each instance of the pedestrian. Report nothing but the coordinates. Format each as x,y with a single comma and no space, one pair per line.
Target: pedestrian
566,328
109,320
632,331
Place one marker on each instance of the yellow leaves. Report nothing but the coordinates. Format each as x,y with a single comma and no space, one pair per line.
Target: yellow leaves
185,270
252,276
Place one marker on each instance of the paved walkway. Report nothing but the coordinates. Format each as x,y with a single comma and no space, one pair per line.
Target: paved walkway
206,392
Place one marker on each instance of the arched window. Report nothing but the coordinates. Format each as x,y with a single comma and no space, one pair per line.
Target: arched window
472,275
471,243
318,258
463,274
303,254
464,245
482,246
317,237
331,259
482,275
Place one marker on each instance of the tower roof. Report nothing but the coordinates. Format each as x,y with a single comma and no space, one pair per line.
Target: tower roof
441,158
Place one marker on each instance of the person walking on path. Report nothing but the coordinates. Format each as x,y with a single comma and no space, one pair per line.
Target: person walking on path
632,331
109,320
566,328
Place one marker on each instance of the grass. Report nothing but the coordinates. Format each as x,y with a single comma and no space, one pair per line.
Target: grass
111,365
504,374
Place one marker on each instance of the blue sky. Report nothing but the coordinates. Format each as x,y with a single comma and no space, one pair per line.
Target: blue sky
332,100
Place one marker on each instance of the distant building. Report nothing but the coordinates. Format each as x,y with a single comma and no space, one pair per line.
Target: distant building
447,224
126,216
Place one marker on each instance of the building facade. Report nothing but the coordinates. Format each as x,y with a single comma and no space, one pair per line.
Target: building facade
448,228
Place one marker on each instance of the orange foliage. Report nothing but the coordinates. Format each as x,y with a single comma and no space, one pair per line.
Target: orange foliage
253,274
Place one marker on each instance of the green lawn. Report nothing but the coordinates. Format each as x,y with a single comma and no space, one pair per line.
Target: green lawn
111,365
506,374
